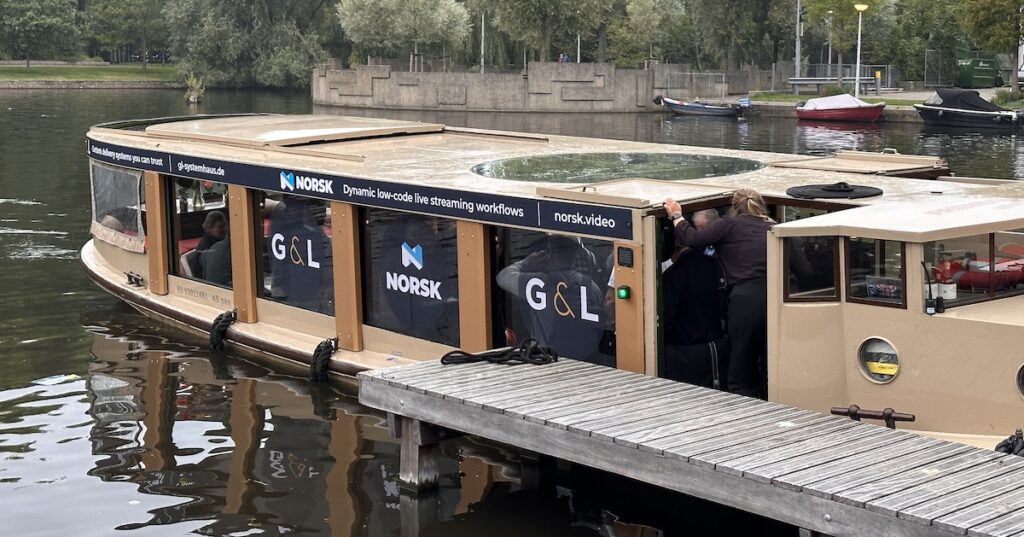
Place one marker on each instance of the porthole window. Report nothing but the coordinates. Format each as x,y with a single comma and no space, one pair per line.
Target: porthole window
878,360
1020,380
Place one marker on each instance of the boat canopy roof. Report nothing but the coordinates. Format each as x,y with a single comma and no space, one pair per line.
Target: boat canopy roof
835,102
290,130
962,99
921,217
436,159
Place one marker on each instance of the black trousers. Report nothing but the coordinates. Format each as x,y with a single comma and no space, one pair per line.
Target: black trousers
747,328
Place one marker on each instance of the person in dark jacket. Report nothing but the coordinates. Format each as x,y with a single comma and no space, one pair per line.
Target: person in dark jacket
740,241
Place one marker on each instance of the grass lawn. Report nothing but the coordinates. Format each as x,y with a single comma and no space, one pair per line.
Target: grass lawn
74,72
790,98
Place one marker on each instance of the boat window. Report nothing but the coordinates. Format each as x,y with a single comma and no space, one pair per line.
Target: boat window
874,272
812,268
966,270
410,271
117,195
199,231
959,269
296,264
553,288
789,213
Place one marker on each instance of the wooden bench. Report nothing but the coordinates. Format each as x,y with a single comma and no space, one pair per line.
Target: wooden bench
821,82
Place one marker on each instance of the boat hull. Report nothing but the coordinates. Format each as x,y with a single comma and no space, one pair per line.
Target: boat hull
687,109
952,117
868,114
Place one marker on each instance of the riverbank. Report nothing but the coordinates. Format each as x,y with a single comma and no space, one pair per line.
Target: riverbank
89,77
88,84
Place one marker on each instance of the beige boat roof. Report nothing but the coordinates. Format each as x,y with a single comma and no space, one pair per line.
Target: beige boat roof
921,217
431,154
287,130
865,162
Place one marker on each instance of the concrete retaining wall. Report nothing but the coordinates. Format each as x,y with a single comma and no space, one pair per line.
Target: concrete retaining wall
88,84
549,87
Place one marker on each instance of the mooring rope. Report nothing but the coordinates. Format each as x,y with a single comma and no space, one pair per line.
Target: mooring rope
527,352
321,359
1013,445
220,328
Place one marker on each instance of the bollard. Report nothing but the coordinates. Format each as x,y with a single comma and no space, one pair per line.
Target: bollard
878,82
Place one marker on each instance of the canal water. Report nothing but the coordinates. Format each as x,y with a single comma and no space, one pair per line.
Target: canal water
109,421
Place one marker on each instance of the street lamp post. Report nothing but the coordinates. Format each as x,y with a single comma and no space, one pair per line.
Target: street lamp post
860,19
830,43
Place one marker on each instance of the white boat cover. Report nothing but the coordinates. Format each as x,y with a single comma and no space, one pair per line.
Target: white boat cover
834,102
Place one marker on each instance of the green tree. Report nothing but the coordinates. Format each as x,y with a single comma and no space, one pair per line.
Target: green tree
920,25
444,22
996,25
248,42
39,28
749,31
370,24
538,21
842,17
136,23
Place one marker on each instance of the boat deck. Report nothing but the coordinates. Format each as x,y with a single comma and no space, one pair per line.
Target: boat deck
821,473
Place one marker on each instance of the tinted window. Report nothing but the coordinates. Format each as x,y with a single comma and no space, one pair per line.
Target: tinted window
875,270
811,268
297,262
199,231
411,276
552,288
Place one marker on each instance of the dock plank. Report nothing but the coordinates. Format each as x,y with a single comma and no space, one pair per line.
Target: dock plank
867,492
856,463
945,485
982,512
726,435
823,473
810,458
832,487
659,410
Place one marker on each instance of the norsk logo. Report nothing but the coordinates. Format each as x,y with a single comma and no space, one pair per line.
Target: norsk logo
290,181
287,181
412,285
412,256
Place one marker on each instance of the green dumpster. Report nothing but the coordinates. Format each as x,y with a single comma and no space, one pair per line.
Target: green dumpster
977,72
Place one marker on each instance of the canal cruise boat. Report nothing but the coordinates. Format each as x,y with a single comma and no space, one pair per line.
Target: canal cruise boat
342,244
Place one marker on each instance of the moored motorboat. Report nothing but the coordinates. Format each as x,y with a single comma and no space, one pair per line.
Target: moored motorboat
344,244
954,107
694,108
843,107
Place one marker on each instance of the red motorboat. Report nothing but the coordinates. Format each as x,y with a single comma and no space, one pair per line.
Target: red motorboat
844,107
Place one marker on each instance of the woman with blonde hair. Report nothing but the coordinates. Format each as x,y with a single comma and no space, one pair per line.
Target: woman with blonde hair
740,241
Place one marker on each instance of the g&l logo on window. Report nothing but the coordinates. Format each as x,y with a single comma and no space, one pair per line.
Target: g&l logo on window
537,298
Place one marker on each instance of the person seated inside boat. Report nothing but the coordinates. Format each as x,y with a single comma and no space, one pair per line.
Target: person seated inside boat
215,227
215,262
561,304
696,349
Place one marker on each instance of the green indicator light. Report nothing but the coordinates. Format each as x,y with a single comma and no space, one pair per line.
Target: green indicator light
622,292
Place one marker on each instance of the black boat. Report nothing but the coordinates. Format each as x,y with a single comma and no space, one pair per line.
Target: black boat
954,107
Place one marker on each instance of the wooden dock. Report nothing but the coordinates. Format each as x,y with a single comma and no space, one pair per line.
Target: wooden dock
824,474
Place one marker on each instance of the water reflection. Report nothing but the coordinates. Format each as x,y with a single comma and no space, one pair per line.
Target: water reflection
161,437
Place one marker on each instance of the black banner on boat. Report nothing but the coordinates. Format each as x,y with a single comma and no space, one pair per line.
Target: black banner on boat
597,220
